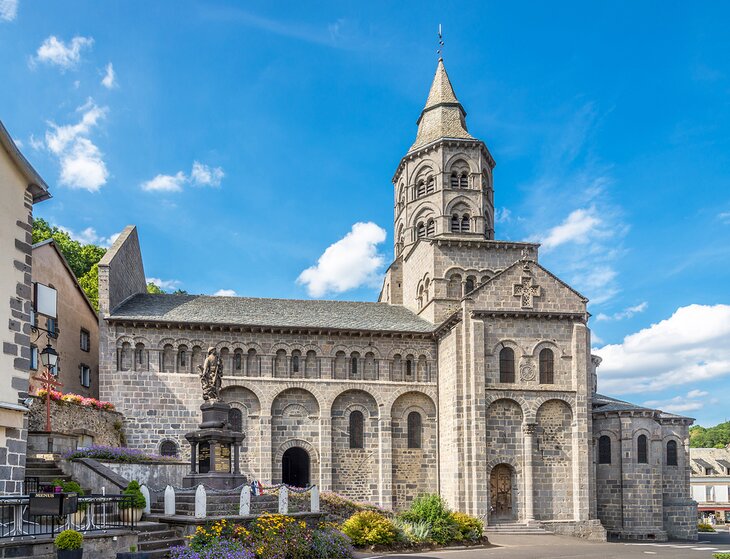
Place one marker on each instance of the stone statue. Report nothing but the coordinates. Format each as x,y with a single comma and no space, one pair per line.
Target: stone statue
211,372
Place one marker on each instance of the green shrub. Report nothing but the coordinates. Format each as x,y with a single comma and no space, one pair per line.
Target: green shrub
724,555
703,527
71,487
413,532
135,498
68,540
433,510
468,528
339,508
369,528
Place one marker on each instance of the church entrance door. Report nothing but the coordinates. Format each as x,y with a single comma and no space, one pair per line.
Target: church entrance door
500,490
295,467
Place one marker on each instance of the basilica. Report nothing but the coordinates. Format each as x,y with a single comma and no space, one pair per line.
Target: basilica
471,376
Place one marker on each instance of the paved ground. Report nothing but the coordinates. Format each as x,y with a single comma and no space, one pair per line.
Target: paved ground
549,546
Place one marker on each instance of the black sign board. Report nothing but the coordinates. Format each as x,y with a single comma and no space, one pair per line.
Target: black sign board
204,458
55,504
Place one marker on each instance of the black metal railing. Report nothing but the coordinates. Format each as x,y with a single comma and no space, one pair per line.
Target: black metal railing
31,485
95,512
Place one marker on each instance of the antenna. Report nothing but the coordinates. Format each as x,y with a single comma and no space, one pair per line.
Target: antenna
439,50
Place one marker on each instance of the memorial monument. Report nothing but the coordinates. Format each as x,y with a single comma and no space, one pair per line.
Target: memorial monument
215,446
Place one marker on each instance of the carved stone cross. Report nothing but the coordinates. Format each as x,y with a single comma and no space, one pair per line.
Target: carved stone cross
526,292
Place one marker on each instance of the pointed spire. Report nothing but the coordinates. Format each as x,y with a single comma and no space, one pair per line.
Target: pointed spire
443,116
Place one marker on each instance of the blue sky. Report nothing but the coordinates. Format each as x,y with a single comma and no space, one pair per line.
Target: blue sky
244,139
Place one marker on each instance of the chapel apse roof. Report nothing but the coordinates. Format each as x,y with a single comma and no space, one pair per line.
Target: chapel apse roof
603,403
277,313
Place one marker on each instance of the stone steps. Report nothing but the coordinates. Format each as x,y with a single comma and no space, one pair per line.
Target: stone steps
516,529
156,539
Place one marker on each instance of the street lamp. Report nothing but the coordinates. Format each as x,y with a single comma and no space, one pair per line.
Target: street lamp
49,357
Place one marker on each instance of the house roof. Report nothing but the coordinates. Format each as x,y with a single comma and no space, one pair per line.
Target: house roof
52,243
38,186
277,313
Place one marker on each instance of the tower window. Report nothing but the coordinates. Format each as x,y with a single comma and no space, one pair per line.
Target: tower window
547,367
430,185
465,224
463,181
455,223
507,365
454,180
420,230
356,429
671,453
430,228
642,450
604,449
421,188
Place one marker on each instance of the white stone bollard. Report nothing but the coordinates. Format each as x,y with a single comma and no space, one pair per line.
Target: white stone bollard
146,492
314,499
201,502
244,505
283,499
169,501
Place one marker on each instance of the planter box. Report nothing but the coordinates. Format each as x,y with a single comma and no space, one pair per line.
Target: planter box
70,553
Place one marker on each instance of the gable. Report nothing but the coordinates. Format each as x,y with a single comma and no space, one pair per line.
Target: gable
527,286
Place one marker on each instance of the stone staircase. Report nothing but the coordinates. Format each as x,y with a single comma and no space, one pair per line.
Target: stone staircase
156,539
516,529
44,470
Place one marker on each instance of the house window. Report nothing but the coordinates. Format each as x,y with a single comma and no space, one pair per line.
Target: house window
34,357
709,471
85,376
85,340
168,448
604,449
507,365
642,451
710,493
356,429
52,327
671,453
547,367
415,429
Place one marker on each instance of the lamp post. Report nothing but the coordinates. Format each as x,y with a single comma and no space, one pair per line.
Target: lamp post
49,358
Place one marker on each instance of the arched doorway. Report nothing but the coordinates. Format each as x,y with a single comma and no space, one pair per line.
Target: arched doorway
295,467
500,491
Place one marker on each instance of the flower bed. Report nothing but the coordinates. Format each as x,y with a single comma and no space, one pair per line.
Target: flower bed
270,536
76,399
117,454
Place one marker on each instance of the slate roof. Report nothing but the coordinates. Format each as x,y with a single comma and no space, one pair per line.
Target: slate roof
603,403
282,313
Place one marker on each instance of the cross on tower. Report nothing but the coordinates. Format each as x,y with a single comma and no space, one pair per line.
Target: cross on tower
526,292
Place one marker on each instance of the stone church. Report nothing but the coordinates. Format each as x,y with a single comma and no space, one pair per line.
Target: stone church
471,376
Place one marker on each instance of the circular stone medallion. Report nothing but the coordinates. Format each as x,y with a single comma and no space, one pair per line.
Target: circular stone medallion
527,372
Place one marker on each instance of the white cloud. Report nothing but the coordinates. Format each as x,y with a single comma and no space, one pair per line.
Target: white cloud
502,215
110,79
351,262
724,217
8,10
165,183
577,228
626,313
54,51
164,284
18,143
82,165
35,143
225,293
89,236
697,393
680,404
693,345
202,175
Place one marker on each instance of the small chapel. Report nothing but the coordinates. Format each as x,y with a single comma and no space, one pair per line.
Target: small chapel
471,376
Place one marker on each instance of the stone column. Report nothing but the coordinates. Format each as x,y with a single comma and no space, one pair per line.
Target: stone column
265,465
193,458
236,458
325,454
529,440
385,463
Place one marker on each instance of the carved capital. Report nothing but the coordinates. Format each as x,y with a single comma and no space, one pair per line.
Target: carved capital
529,428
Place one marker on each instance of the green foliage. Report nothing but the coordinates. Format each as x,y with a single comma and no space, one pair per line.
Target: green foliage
413,532
704,527
369,528
69,540
468,528
136,499
339,508
710,437
432,509
722,555
152,288
89,282
71,487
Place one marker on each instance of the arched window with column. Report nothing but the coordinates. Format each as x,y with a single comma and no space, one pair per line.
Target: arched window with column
420,230
415,430
237,362
547,366
455,223
463,180
296,363
507,365
430,228
642,450
604,449
252,363
357,428
183,360
465,219
354,365
430,185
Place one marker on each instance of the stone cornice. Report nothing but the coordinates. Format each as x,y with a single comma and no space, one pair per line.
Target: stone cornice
411,155
505,313
447,324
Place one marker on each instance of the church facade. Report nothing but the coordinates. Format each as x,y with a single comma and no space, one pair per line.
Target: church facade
471,376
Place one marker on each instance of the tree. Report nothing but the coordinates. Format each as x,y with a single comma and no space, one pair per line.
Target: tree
152,288
710,437
89,282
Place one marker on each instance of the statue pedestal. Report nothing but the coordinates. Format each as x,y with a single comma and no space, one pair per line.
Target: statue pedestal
215,450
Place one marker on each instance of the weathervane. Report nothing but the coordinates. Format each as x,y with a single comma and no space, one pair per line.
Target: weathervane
441,43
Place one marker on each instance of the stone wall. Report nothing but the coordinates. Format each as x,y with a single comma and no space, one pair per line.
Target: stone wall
96,544
105,427
553,462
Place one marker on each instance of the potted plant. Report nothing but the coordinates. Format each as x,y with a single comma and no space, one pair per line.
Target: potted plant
132,508
133,554
79,516
68,545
